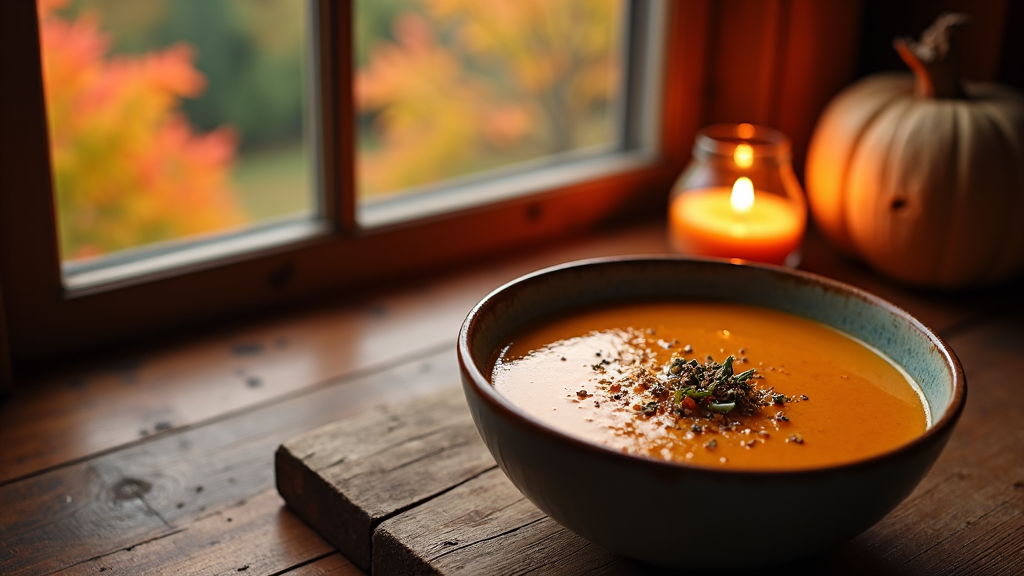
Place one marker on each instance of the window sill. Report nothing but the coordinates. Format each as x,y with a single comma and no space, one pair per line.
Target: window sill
196,418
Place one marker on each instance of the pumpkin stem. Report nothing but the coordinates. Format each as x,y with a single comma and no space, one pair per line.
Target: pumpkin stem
934,59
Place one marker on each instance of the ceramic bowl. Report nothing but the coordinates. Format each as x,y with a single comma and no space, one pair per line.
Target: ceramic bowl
597,492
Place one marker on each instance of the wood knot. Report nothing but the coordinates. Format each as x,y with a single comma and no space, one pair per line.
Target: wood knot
130,489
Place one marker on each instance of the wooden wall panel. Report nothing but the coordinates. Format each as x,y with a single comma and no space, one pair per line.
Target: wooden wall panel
778,62
686,78
744,70
818,59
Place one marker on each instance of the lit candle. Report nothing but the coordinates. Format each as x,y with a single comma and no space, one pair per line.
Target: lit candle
736,223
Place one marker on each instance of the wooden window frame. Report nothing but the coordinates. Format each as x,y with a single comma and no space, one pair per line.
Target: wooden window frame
41,321
709,76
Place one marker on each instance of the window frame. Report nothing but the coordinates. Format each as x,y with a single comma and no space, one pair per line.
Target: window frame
41,321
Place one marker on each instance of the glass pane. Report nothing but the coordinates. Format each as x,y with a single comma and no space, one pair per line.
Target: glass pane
447,89
174,120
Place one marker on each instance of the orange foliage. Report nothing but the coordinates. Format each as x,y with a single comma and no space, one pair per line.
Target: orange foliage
128,169
429,116
516,72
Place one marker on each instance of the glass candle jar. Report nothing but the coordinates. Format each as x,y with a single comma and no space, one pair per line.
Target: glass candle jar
739,197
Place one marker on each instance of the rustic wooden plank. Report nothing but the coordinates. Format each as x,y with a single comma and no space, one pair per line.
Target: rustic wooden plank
994,546
228,453
84,509
54,419
486,526
332,565
165,483
86,410
345,478
258,536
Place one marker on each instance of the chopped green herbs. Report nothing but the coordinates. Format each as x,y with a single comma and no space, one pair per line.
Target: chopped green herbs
714,385
721,407
703,393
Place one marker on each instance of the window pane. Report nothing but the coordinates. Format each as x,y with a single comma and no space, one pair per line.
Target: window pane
174,120
450,91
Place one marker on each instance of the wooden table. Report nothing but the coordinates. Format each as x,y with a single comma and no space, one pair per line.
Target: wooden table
159,459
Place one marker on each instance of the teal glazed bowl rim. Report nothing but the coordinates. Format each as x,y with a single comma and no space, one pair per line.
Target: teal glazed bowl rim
520,443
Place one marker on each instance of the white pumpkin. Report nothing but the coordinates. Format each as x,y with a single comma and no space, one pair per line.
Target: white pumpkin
923,175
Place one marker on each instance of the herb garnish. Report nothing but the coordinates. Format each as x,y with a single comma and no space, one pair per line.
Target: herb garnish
696,398
711,397
715,386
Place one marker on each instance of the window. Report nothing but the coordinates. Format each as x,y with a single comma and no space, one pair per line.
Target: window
633,145
465,103
177,130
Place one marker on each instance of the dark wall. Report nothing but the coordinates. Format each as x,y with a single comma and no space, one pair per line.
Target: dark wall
991,47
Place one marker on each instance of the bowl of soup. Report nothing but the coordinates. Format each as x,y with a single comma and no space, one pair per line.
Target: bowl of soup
705,414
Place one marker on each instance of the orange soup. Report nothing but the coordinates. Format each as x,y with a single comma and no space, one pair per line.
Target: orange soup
715,384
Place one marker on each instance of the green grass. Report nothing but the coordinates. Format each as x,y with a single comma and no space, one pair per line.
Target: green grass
274,183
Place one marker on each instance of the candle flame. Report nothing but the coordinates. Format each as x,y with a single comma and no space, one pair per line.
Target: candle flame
742,198
744,155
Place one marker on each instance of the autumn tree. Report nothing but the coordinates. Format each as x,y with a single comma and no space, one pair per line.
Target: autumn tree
128,168
465,80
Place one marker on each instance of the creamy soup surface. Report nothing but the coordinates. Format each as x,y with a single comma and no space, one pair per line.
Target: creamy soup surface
606,375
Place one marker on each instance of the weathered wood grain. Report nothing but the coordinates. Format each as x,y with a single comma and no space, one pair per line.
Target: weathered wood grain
153,390
257,536
53,419
331,565
154,488
486,526
97,486
345,478
967,517
72,514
